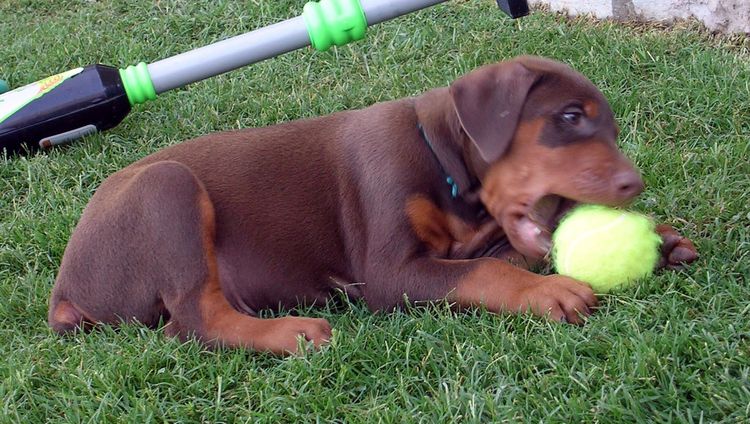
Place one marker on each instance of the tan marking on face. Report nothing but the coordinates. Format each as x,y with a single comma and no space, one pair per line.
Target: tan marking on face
512,178
581,170
591,108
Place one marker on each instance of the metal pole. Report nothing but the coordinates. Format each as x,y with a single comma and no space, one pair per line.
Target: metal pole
261,44
377,11
229,54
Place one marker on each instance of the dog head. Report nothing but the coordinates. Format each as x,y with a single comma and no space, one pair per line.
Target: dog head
542,138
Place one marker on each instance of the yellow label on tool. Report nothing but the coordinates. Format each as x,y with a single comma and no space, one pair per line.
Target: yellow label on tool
12,101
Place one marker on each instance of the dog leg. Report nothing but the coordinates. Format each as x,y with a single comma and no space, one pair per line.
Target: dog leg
144,252
488,282
676,251
502,287
223,325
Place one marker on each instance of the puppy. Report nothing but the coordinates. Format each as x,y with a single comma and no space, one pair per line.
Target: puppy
206,233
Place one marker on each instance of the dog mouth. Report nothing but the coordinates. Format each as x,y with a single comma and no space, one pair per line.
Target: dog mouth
532,228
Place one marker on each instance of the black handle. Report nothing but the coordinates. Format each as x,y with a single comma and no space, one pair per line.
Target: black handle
514,8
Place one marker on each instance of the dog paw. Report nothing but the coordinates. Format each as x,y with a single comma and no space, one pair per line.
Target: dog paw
676,250
283,335
560,298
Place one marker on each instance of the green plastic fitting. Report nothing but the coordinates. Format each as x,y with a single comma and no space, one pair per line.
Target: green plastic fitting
138,84
334,22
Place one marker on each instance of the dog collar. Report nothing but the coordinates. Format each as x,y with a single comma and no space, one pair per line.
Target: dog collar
448,178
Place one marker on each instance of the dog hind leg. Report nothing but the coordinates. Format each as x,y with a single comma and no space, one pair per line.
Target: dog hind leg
144,251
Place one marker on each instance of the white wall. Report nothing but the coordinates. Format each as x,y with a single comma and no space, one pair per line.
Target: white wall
731,16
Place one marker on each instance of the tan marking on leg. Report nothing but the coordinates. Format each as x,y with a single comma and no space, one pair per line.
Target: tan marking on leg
493,284
224,325
429,224
501,287
68,317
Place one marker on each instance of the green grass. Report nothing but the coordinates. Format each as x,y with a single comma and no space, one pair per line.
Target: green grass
674,349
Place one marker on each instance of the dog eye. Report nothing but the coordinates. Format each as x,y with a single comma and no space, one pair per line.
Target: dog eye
572,115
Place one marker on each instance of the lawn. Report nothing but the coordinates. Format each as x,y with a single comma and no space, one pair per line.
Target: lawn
675,348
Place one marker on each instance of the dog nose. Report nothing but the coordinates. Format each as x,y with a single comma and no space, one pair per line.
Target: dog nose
628,184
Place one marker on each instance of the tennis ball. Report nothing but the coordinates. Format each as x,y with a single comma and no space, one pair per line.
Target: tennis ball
605,247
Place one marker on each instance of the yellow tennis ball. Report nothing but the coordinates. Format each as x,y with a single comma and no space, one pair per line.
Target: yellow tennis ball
605,247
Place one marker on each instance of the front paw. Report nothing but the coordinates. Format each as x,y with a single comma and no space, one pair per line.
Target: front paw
676,250
561,298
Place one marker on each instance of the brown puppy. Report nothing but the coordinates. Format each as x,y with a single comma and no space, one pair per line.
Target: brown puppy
206,233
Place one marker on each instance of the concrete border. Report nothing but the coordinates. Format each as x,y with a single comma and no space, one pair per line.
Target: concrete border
725,16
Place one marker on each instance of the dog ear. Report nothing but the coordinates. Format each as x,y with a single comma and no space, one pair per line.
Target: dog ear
489,102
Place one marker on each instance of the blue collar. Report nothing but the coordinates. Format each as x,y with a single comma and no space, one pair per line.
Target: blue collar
448,179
